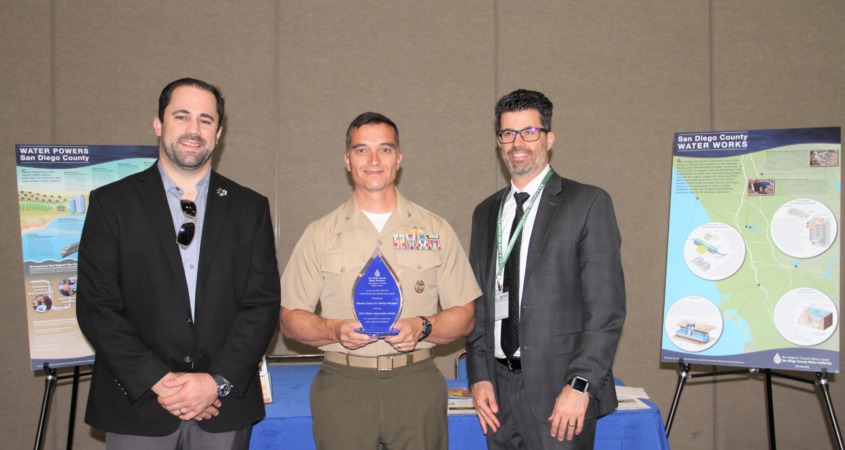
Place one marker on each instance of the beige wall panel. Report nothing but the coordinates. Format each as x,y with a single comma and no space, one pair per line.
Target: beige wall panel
113,59
25,115
624,79
777,65
426,65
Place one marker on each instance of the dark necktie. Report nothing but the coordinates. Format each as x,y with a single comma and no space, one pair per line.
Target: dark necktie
510,326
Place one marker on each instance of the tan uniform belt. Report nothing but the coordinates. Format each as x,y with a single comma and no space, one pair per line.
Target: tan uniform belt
388,362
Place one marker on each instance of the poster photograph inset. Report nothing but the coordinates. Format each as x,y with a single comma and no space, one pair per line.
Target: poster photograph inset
752,261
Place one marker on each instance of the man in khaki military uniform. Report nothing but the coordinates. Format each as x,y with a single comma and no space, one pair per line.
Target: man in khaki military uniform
370,392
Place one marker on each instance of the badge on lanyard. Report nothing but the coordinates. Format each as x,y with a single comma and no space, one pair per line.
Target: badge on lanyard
500,302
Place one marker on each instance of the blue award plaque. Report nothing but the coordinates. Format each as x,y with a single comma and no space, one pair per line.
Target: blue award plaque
377,297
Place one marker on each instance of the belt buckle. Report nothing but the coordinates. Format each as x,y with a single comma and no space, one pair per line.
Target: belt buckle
510,367
384,368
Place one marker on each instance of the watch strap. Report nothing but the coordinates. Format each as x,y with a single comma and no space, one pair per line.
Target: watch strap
223,385
426,327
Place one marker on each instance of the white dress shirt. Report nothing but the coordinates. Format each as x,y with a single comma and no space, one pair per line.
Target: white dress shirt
508,213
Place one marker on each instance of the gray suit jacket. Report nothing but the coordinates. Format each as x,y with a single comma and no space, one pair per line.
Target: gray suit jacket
573,300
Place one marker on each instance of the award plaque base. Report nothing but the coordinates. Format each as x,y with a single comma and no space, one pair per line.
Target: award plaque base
379,333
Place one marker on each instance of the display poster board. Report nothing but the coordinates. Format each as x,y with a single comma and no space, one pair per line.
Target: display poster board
54,183
752,265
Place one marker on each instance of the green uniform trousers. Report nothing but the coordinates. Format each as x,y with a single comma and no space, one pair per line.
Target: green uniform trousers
355,408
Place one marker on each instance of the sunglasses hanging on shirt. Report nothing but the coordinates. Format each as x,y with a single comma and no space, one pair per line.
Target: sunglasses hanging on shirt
189,228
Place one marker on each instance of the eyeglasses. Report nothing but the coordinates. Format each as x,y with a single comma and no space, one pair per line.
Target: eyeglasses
529,134
188,229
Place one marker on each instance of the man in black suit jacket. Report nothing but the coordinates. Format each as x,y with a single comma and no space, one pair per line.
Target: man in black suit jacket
178,291
539,359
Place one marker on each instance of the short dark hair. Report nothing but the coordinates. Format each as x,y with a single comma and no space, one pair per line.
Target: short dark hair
522,99
167,93
371,118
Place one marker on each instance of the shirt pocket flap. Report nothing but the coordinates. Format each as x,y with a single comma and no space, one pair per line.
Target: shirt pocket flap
418,260
340,263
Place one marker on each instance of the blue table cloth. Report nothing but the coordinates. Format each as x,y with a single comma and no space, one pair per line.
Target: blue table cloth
288,421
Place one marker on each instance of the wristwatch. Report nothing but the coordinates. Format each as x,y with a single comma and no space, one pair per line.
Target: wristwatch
223,385
426,327
580,385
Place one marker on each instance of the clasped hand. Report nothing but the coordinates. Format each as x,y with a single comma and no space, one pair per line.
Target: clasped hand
188,395
410,330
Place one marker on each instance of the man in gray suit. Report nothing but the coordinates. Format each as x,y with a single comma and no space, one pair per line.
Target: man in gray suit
546,252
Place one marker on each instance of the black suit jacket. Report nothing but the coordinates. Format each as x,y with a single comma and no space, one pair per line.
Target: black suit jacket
133,303
573,295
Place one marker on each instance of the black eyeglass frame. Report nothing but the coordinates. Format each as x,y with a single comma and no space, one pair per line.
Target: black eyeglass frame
186,233
519,132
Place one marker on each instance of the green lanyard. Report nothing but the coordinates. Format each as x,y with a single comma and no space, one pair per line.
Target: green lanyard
503,258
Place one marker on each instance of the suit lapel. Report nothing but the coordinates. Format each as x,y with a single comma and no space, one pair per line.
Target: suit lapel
549,204
151,190
217,203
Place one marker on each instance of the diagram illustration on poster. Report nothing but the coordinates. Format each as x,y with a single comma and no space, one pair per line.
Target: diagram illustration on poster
752,270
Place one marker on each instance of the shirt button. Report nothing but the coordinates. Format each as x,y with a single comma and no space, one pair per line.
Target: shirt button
379,242
419,267
187,359
192,266
341,270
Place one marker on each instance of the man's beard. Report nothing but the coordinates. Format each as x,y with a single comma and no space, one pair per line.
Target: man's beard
186,162
526,167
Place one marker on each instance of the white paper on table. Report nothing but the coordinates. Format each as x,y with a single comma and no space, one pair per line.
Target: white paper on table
630,392
631,404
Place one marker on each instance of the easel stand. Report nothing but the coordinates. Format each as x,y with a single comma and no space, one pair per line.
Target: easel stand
49,382
822,383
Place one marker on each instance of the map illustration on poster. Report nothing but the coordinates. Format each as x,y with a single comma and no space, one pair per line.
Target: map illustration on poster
54,183
752,266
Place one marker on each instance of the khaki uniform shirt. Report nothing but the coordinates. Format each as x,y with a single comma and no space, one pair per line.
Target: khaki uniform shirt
333,250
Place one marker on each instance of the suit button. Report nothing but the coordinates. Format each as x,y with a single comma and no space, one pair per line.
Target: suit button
188,320
187,359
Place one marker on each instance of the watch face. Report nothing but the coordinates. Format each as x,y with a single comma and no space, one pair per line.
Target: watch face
579,385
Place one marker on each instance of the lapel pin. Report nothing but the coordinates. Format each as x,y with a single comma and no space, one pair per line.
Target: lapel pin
221,192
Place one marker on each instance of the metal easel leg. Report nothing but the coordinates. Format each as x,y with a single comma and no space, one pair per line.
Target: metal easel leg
771,411
48,387
72,415
825,387
682,378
